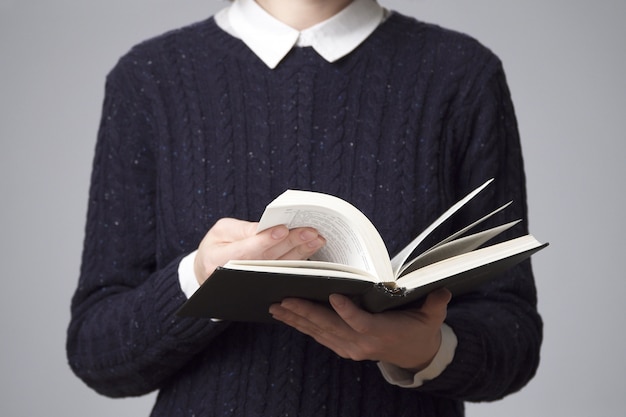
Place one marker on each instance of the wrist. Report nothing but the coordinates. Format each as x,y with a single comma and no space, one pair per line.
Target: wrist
407,379
423,364
201,270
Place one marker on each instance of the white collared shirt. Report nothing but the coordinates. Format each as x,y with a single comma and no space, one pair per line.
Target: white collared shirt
271,40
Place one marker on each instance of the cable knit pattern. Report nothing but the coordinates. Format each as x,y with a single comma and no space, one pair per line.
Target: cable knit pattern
195,127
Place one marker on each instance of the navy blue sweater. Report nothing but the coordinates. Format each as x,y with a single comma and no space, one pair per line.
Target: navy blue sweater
195,127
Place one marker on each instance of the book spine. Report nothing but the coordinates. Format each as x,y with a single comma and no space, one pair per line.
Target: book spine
381,297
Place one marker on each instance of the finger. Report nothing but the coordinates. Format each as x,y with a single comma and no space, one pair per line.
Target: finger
257,246
436,303
359,320
330,329
304,311
301,243
285,313
232,239
230,230
308,317
305,250
320,325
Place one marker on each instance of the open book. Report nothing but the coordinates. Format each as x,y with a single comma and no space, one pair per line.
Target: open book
355,262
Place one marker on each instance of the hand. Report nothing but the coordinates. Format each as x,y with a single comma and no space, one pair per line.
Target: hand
408,338
232,239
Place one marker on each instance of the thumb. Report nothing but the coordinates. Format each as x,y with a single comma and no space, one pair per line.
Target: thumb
231,230
436,303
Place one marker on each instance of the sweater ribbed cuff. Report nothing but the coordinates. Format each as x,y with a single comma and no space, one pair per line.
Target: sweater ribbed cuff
169,298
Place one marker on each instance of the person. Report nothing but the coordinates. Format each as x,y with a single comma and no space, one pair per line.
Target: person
204,125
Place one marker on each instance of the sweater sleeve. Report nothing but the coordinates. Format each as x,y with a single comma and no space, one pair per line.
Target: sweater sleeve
124,337
499,329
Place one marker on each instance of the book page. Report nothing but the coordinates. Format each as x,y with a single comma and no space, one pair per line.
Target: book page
351,239
480,258
304,267
343,245
400,258
471,226
449,248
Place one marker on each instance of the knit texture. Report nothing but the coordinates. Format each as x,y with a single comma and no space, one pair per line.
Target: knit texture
196,128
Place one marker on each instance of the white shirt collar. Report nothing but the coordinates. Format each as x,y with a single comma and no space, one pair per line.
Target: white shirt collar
271,40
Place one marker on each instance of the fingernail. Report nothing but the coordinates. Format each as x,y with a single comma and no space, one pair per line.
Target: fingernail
307,235
274,310
337,300
280,232
315,244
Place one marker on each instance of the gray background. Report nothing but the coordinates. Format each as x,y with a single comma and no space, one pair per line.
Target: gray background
565,62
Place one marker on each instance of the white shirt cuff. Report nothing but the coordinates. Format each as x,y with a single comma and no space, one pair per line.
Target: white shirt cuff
187,276
407,379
